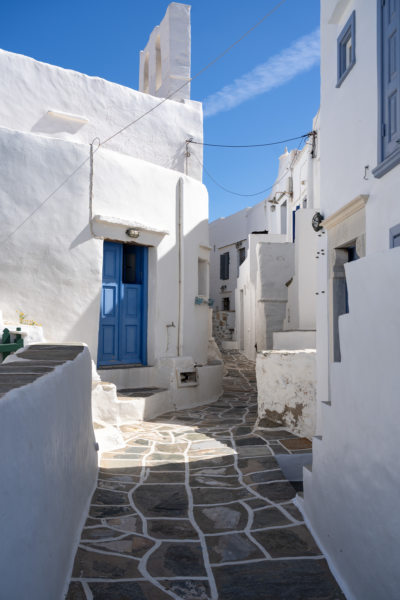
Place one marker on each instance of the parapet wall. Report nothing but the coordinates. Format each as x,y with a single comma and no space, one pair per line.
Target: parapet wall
48,468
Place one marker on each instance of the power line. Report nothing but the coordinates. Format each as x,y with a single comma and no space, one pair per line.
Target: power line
225,189
221,55
210,64
299,137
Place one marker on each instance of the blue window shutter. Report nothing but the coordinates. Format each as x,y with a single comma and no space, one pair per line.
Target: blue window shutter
390,50
224,266
394,237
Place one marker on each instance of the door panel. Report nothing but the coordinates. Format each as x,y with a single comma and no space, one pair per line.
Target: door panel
131,323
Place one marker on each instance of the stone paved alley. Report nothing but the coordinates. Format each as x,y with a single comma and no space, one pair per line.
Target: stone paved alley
195,507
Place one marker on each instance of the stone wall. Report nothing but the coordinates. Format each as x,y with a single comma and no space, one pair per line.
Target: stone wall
223,325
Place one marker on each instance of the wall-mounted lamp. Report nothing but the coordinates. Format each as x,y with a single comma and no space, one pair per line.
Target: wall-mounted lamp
132,233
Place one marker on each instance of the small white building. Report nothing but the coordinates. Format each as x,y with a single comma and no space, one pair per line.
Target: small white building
105,234
351,494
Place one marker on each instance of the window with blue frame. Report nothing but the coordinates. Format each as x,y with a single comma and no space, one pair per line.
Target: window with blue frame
346,49
388,86
394,237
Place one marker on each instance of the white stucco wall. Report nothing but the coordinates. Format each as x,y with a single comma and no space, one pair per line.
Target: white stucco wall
351,498
300,312
48,472
355,454
60,264
286,389
105,107
261,291
165,61
350,113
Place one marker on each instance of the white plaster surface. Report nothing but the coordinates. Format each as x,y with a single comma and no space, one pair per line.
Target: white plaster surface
293,340
286,389
107,106
167,55
356,101
351,493
48,472
63,269
113,410
357,456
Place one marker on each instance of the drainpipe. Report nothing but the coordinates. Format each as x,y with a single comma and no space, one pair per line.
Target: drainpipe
180,268
91,164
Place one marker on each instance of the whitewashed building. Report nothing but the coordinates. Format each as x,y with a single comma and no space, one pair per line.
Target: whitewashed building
106,236
242,274
263,280
351,493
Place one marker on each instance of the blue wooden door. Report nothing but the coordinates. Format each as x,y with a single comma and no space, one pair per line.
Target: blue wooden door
123,312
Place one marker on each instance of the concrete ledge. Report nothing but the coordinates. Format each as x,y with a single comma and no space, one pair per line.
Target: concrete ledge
293,340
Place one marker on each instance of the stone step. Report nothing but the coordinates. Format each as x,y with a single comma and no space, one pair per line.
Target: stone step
115,408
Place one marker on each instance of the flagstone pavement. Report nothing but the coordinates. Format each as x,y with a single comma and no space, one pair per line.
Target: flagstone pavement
195,507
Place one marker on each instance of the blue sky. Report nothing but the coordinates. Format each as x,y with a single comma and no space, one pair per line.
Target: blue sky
104,38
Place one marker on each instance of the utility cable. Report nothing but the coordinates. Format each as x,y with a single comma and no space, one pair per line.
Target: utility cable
299,137
210,64
225,189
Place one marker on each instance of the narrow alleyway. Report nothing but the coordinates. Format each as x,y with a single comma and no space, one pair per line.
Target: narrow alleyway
195,507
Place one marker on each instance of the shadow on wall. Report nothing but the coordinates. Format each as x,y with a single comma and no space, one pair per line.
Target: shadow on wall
79,323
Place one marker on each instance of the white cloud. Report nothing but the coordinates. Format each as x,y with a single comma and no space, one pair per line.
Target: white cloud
278,70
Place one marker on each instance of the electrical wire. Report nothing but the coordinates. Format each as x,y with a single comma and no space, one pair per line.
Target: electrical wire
225,189
299,137
210,64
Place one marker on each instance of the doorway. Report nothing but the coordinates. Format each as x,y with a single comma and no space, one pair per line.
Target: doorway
123,309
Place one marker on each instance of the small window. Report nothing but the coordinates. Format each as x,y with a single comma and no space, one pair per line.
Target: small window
346,49
224,266
146,74
305,202
132,267
284,218
394,237
226,304
158,64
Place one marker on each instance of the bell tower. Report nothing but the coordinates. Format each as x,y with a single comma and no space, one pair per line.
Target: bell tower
165,61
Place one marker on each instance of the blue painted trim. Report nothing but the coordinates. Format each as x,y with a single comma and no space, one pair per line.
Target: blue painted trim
145,303
384,164
376,172
393,232
349,30
101,361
